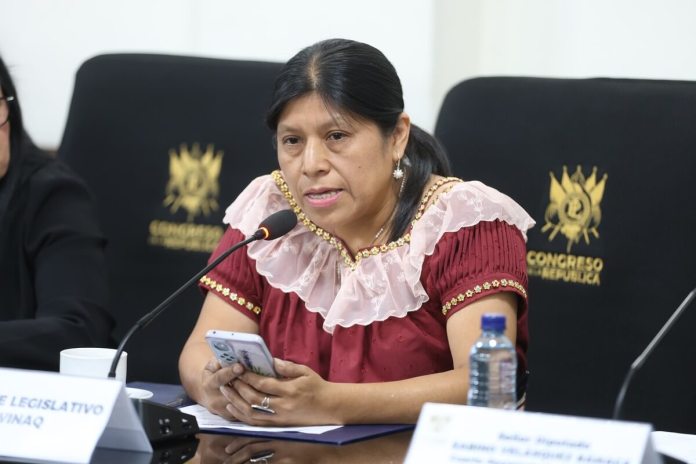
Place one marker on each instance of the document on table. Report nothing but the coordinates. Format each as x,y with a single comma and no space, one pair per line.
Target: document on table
208,420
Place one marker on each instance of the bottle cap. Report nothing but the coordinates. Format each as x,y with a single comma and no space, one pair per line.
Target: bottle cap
493,322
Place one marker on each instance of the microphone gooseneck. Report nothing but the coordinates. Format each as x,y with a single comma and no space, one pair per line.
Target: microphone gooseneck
274,226
640,360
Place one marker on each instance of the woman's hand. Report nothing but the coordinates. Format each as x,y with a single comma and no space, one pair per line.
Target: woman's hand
214,380
231,449
299,396
228,449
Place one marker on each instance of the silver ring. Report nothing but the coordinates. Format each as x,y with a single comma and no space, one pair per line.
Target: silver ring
265,406
263,458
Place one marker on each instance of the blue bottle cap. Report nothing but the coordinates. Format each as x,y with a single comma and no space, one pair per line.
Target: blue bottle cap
493,322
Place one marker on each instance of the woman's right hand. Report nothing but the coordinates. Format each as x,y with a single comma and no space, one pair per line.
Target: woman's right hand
204,380
214,379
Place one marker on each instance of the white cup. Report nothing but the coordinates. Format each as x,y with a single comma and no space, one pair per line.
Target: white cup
92,362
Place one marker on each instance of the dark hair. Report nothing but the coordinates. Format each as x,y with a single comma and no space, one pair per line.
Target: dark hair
357,78
8,89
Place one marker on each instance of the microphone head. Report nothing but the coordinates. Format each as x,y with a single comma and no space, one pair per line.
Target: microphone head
276,225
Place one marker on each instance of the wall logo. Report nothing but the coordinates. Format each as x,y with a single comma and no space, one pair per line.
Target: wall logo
193,187
574,211
193,180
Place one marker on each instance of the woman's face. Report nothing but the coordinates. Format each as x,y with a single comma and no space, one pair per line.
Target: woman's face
339,169
4,143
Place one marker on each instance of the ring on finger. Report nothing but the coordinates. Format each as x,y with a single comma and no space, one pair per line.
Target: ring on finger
263,458
265,406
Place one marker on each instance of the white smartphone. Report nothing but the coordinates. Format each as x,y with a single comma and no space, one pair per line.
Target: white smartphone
238,347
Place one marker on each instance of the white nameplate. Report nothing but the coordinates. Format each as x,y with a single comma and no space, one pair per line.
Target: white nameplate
49,416
448,433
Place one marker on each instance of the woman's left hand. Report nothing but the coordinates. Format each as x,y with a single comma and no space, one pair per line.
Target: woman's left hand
299,396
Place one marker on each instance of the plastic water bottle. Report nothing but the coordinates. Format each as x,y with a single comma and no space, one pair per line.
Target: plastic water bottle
493,366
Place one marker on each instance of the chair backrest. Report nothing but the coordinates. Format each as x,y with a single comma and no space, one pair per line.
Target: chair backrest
606,168
166,143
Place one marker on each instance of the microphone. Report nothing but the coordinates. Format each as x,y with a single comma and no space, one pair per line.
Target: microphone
638,363
274,226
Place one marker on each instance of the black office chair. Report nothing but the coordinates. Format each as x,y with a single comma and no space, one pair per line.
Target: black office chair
165,143
606,167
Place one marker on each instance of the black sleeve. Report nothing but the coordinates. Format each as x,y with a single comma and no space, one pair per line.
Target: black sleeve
65,263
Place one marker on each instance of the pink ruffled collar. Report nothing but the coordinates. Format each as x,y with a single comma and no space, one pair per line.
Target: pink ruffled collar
377,284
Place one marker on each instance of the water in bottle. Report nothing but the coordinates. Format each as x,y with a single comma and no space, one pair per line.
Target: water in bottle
493,366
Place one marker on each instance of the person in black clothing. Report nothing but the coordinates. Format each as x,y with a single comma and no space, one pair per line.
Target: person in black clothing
53,282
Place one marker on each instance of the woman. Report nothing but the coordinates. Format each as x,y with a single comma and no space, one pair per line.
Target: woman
372,302
52,272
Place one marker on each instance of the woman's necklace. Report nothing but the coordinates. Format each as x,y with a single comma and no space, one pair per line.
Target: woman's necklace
379,232
377,235
381,229
338,262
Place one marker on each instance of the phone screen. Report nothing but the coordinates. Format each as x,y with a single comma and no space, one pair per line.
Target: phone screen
252,356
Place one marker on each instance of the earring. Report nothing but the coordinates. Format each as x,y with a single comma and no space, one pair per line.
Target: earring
398,172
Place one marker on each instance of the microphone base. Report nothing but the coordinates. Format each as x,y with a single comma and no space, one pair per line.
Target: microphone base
164,423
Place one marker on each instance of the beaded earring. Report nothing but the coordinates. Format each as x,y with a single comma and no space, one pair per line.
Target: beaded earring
398,172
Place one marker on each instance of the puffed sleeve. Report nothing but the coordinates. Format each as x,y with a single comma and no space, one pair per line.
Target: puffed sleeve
64,250
235,279
478,261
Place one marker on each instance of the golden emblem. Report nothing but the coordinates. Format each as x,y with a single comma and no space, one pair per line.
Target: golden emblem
193,180
574,208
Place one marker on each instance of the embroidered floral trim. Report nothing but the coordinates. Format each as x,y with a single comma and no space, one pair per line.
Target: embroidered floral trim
384,286
483,288
227,293
431,191
353,261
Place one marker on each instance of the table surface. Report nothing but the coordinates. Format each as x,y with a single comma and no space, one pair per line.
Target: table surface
229,448
210,448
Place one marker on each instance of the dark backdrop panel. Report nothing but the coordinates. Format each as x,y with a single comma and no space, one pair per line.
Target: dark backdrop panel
637,233
147,133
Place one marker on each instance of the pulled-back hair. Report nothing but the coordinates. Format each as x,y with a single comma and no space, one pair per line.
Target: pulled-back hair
357,78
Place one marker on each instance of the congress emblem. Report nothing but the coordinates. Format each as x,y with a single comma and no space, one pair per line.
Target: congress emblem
193,180
574,208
